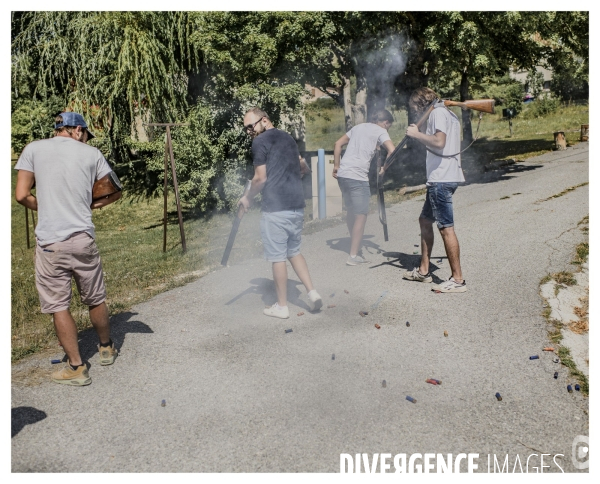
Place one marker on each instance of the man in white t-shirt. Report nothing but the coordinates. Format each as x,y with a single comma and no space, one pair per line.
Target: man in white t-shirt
64,169
444,173
352,173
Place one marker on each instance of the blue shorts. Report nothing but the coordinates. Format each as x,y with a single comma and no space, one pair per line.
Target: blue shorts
438,204
281,234
355,194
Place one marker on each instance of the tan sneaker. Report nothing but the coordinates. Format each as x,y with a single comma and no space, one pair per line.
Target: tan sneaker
79,377
108,354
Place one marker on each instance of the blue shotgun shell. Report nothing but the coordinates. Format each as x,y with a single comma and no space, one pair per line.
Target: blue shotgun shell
54,362
333,357
577,387
569,388
411,399
163,403
498,397
407,324
555,375
288,330
535,357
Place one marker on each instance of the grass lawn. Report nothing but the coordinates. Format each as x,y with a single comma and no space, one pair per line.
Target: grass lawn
129,232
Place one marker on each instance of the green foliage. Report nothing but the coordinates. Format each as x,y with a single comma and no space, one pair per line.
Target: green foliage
507,92
534,83
33,119
542,107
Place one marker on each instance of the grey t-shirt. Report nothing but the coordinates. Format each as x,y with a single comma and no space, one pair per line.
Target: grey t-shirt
65,171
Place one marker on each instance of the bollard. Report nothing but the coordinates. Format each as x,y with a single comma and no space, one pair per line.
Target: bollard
321,183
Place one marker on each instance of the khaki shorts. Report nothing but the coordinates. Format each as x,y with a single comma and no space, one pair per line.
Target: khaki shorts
55,265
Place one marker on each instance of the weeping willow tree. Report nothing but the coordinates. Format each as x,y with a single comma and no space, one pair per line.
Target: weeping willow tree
110,66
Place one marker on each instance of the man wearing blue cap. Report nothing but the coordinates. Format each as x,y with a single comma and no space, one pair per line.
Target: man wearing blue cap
64,170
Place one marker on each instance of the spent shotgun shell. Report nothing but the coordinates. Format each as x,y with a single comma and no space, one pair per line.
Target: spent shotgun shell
548,348
384,384
288,330
411,399
54,362
363,313
569,388
439,382
577,387
432,381
446,334
534,357
300,313
346,291
377,326
333,356
407,324
498,397
556,375
163,403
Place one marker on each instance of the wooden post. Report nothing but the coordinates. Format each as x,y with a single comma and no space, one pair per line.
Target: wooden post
179,215
585,132
165,203
169,154
560,142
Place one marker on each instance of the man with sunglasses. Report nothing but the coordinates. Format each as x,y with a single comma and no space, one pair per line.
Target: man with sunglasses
278,173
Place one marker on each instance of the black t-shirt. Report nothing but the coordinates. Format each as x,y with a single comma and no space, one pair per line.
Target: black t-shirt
283,190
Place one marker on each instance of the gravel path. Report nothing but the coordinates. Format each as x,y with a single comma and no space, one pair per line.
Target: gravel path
244,396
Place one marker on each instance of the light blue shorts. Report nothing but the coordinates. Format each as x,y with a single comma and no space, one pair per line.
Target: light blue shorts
281,234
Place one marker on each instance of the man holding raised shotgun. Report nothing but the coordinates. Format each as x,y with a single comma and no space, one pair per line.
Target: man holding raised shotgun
277,173
444,173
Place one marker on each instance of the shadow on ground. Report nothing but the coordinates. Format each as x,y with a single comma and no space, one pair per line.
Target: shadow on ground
121,324
21,416
266,288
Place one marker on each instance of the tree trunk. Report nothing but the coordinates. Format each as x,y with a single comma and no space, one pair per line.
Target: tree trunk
359,110
347,104
466,114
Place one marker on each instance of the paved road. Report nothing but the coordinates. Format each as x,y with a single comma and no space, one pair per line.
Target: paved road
242,395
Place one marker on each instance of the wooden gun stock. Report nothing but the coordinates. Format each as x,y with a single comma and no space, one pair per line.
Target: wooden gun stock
106,186
483,105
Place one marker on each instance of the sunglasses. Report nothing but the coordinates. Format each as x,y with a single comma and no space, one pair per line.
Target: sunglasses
250,127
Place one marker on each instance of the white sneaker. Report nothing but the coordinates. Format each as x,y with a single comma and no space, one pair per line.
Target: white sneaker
354,261
314,300
451,286
415,275
277,311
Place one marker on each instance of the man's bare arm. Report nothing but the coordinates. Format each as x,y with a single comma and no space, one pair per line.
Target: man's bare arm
258,183
103,202
25,181
436,141
337,152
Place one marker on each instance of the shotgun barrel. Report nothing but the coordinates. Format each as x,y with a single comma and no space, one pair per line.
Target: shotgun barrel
236,225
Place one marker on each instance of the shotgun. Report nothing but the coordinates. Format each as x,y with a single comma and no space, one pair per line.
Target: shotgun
236,225
483,105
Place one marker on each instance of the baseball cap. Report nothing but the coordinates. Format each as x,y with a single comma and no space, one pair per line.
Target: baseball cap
73,119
